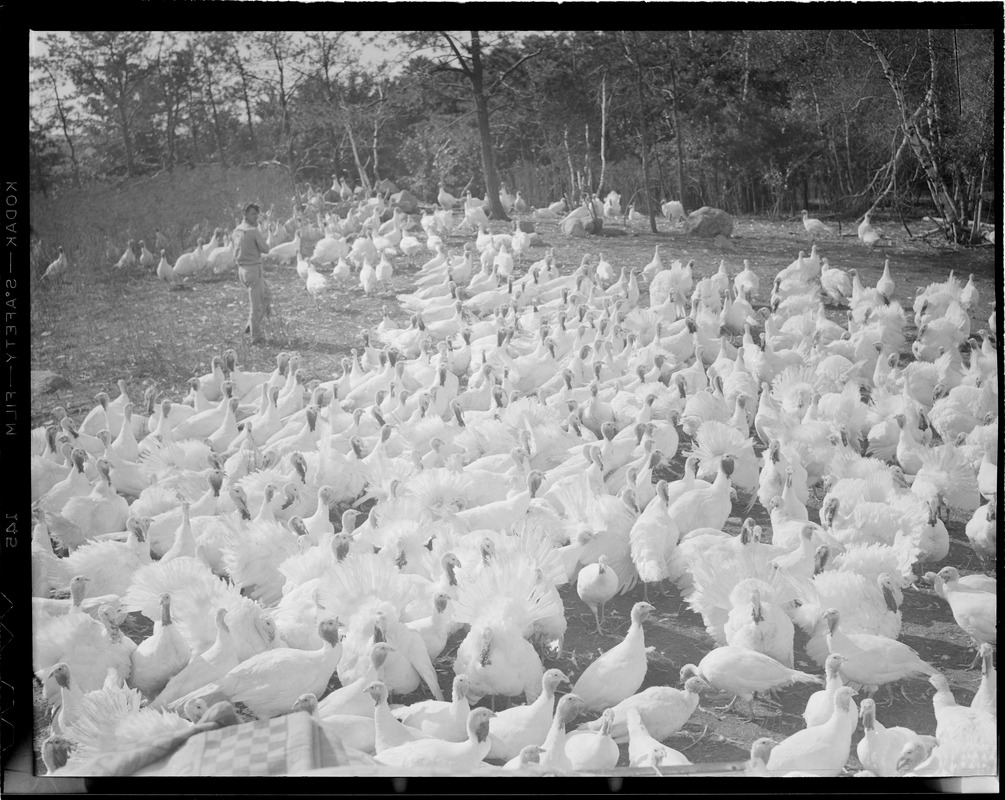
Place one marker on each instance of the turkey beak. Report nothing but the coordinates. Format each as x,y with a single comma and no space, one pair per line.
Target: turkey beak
891,601
830,512
300,465
775,452
820,558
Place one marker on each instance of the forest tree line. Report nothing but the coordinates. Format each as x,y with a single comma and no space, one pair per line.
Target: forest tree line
753,122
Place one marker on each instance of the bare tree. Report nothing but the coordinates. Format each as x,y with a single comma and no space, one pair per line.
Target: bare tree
922,144
110,68
236,60
467,60
63,110
630,42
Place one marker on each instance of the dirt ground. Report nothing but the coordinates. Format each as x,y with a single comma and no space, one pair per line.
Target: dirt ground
101,327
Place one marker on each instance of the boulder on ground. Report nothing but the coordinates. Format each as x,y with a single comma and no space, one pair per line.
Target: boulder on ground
708,223
406,201
573,226
580,222
44,381
724,243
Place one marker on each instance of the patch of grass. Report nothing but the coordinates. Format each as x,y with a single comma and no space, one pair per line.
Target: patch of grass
183,205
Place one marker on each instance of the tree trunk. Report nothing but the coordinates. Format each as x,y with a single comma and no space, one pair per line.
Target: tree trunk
218,132
36,160
643,134
251,125
847,152
921,146
660,177
174,116
959,86
574,189
359,164
121,98
283,100
127,144
746,69
170,140
247,100
195,141
893,177
934,114
603,130
484,131
66,130
961,192
837,166
284,105
975,224
677,132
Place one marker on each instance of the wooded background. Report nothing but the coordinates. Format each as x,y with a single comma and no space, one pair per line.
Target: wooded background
753,122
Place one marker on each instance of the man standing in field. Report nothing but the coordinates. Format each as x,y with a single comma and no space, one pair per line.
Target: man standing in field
251,246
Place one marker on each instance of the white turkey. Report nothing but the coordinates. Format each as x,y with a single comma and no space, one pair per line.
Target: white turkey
501,610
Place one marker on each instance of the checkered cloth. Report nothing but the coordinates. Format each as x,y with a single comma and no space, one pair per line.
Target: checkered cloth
218,746
277,746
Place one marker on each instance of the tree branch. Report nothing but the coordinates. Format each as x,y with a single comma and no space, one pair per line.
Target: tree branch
460,58
860,101
455,121
507,73
443,67
864,39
